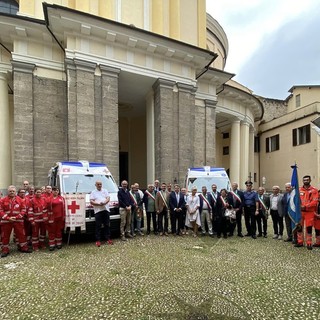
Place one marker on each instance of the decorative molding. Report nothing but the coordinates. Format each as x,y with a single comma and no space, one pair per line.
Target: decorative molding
24,67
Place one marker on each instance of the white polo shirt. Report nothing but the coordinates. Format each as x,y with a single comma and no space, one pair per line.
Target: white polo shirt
100,196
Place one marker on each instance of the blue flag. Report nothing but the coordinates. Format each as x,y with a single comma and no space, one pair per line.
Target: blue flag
294,209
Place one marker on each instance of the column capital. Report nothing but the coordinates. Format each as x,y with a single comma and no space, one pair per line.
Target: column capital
84,65
186,88
24,67
109,71
163,83
210,103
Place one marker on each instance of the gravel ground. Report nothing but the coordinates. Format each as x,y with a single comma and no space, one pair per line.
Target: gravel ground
156,277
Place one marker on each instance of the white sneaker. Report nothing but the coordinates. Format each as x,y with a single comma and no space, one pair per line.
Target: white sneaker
275,236
280,237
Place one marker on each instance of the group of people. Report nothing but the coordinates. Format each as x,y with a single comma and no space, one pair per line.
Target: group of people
35,212
32,213
220,212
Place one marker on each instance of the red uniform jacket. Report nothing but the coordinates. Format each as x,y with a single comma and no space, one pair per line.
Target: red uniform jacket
12,207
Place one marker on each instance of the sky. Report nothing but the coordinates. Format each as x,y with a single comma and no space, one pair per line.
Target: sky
273,44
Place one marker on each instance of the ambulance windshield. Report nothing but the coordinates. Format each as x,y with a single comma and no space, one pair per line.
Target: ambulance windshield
199,182
86,183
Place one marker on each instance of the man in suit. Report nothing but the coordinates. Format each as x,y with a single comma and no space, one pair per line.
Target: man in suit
285,207
215,205
236,198
276,212
149,200
249,207
262,207
206,211
162,209
176,203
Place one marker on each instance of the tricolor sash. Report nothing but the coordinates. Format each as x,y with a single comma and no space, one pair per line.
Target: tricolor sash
214,197
205,199
223,201
236,196
150,195
133,198
164,201
262,203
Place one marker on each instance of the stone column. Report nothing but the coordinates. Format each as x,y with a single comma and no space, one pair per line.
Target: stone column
235,152
251,152
164,129
244,152
110,118
23,148
5,130
85,133
150,138
210,133
185,132
72,141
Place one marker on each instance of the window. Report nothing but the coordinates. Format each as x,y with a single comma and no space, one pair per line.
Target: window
9,6
272,143
256,144
301,135
298,101
225,135
225,151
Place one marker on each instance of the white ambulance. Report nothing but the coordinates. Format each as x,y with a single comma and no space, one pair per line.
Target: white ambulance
79,177
207,176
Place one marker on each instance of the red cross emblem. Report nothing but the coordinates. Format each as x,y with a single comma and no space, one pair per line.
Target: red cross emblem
73,207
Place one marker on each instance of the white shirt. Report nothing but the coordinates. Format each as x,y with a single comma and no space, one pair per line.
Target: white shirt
100,196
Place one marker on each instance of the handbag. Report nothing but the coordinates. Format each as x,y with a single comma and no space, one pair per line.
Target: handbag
230,213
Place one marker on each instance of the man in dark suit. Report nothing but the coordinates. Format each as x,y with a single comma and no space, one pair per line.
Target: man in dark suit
176,203
216,207
206,211
285,202
262,207
236,199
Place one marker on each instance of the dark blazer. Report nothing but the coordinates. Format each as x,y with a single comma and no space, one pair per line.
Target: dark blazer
124,198
216,204
284,202
210,200
234,201
145,200
173,201
266,201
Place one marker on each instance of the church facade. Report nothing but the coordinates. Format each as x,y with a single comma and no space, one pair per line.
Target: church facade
139,85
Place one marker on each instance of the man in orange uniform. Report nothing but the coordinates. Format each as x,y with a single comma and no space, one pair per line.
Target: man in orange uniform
12,212
309,204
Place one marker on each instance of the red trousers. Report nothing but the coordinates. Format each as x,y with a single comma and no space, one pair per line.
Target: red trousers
6,229
39,240
55,232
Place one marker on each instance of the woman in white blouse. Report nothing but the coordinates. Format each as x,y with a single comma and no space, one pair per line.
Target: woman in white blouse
193,215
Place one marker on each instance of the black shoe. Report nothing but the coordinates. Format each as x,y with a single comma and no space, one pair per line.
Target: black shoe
51,248
225,236
309,246
298,245
59,246
219,236
230,235
4,254
259,235
27,251
247,235
240,235
265,236
148,232
254,236
288,240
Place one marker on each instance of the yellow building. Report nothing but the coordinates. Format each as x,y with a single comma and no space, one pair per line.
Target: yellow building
137,84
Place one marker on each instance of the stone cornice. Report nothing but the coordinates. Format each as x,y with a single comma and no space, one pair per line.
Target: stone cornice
24,67
163,83
109,71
